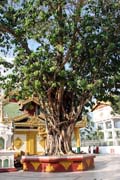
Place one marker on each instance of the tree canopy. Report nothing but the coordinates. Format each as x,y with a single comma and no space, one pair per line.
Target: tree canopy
65,52
116,104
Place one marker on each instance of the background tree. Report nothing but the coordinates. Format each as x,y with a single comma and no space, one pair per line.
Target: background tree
66,52
116,104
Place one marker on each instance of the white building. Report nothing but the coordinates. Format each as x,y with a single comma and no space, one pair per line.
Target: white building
6,134
107,123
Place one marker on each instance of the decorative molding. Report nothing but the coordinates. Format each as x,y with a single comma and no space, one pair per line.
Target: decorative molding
18,143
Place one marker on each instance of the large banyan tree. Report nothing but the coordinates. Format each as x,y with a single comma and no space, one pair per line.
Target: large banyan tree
65,52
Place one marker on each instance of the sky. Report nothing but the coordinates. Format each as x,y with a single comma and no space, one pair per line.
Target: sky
9,59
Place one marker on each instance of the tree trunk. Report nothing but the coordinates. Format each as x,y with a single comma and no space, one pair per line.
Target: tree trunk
59,143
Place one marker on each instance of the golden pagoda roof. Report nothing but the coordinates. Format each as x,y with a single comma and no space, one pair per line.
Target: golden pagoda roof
22,116
17,118
31,121
31,99
41,116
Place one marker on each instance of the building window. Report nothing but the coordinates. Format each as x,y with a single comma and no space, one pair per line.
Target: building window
1,143
109,135
6,163
108,125
117,123
101,135
118,134
100,126
110,143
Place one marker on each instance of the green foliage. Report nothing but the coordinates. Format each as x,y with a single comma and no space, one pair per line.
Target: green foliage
76,46
116,104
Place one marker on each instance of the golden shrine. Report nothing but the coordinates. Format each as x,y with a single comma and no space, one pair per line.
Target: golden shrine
29,125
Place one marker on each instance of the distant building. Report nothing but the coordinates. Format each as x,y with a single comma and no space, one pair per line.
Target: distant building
107,123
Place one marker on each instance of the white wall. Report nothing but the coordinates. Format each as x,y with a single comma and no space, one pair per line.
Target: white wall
9,156
40,149
102,113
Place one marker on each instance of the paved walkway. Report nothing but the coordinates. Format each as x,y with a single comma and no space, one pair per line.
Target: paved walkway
107,167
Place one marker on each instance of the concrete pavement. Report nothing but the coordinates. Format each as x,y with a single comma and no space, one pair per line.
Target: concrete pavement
107,167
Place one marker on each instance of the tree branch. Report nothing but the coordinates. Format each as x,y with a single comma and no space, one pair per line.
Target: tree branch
5,29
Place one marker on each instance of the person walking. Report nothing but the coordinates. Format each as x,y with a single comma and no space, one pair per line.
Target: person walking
89,149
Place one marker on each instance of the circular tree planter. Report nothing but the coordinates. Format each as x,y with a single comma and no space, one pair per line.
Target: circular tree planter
66,163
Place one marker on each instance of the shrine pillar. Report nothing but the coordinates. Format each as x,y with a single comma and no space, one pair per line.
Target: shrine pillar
77,138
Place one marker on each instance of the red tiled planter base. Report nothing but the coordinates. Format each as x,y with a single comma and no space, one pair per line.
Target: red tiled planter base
7,170
58,163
